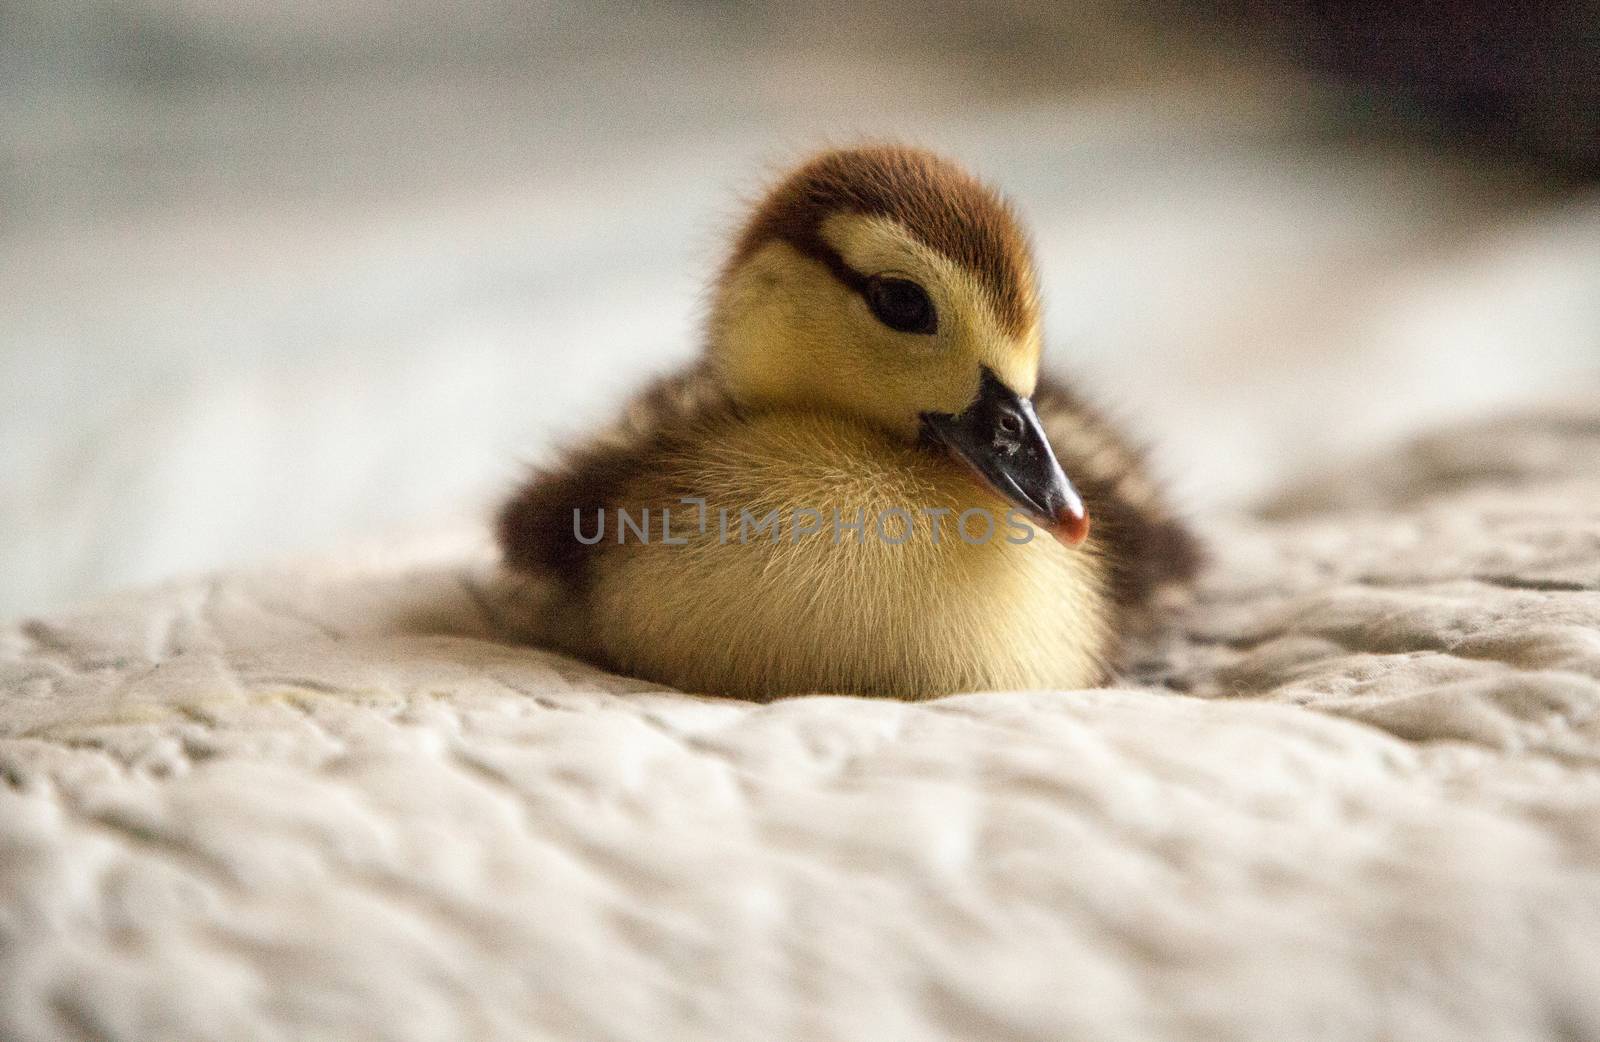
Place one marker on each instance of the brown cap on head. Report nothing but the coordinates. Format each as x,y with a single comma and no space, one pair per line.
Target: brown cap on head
948,209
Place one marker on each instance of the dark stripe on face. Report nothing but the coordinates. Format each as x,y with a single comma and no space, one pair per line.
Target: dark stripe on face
811,244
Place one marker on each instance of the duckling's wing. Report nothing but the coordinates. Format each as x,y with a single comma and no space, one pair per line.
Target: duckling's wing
1146,543
535,528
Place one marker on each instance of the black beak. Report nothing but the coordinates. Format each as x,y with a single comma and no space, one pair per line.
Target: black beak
1000,438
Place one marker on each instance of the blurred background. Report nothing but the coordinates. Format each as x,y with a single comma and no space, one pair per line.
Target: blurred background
276,277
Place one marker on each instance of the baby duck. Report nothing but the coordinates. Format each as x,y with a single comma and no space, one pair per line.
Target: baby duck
843,494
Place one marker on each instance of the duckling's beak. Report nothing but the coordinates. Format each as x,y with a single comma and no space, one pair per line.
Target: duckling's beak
999,436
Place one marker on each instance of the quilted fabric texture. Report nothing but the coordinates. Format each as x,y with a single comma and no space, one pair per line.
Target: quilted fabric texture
1358,797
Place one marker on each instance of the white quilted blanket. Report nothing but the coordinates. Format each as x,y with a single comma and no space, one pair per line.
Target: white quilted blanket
342,802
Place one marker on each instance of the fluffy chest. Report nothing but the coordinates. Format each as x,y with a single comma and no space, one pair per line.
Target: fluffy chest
786,554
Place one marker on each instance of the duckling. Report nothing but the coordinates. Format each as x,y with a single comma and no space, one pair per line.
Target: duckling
863,485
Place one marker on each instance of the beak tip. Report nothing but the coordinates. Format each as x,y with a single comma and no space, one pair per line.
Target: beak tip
1072,527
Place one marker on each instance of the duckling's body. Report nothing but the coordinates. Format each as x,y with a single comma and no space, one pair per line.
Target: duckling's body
769,532
879,609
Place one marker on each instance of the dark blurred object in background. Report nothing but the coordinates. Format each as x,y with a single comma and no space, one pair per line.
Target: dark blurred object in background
1521,78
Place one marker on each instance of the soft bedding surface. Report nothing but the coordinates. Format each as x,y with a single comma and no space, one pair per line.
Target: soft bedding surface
1358,798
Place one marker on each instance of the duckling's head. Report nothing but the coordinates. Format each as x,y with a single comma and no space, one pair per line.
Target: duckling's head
889,285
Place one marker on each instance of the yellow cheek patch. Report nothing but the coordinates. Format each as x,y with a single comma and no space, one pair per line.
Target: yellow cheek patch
780,316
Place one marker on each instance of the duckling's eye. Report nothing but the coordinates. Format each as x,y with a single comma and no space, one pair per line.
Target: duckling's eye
901,305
